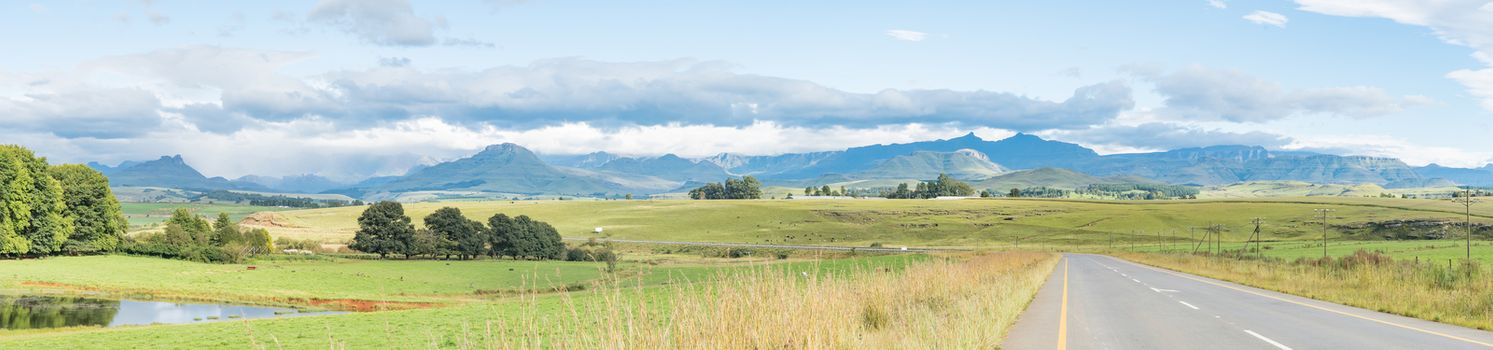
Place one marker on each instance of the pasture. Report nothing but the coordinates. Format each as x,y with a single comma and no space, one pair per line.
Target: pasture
980,223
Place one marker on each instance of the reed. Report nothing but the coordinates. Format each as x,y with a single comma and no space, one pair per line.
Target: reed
956,301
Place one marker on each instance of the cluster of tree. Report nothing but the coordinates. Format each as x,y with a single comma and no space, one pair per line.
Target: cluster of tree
826,191
746,188
943,186
190,237
384,229
275,200
48,210
1111,191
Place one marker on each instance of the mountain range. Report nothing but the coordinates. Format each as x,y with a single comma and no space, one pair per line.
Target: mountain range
1022,160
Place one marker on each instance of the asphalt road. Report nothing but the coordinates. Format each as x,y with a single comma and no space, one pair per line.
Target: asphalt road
1099,302
781,246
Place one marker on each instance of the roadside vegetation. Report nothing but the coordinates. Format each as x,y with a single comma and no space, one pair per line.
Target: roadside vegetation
1443,291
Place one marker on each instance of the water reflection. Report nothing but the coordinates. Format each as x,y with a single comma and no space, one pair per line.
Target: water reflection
33,311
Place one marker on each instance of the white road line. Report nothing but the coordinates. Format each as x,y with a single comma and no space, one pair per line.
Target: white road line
1267,340
1188,305
1136,280
1158,290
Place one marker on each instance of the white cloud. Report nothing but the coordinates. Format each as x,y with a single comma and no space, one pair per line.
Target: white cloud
383,22
1200,93
1218,4
1267,18
1387,146
1459,22
906,35
192,84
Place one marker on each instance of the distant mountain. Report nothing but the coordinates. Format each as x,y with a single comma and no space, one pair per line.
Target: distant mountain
668,166
1472,177
169,172
505,168
294,184
965,164
1218,165
587,161
1043,177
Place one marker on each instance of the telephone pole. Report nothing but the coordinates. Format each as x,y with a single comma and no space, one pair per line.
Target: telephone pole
1324,212
1466,202
1255,238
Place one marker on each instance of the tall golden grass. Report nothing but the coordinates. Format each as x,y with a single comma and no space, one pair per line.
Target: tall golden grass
1460,294
949,302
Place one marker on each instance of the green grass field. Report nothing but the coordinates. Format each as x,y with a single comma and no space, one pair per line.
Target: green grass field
461,289
968,223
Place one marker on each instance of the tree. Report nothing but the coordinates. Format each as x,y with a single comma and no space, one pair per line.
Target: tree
809,191
501,236
1015,193
225,231
427,243
15,205
33,219
185,228
627,197
746,188
98,220
258,240
383,229
462,236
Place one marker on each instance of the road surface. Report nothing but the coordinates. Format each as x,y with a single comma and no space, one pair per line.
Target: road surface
781,246
1100,302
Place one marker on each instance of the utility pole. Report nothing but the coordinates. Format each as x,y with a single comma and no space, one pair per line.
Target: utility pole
1467,205
1254,238
1324,212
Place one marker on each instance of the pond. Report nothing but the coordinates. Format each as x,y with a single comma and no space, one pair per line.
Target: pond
37,311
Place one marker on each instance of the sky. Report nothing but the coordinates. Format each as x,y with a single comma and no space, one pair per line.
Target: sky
350,89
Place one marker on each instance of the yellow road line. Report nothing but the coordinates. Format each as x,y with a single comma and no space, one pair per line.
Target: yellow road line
1426,331
1063,314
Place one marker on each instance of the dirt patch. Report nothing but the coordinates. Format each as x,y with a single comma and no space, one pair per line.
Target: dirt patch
52,285
365,305
264,219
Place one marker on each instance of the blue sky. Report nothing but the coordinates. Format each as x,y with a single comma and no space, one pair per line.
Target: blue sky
356,88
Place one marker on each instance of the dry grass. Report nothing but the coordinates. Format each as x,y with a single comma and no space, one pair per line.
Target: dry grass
965,301
1460,294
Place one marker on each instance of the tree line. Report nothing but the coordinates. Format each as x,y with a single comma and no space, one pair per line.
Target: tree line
275,200
384,229
1112,191
746,188
50,210
942,187
190,237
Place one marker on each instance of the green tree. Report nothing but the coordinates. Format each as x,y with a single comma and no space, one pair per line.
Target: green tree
15,204
825,191
1015,193
185,228
466,237
98,220
226,231
383,229
501,236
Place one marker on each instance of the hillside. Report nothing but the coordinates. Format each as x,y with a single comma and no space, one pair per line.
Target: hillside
1044,177
168,172
505,168
964,164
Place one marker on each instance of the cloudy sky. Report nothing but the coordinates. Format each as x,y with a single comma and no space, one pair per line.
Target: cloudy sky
349,89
